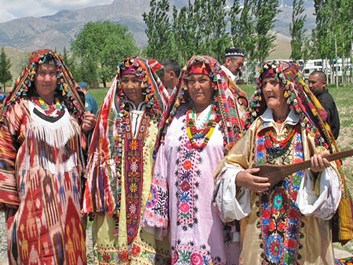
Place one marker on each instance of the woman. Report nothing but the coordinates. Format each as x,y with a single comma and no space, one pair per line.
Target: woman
285,220
205,119
41,164
120,166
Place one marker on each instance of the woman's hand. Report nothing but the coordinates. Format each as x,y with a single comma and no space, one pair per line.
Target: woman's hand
247,180
319,162
89,121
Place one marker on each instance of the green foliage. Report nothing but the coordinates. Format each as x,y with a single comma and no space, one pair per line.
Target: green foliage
158,30
264,12
198,28
297,30
211,34
98,48
184,32
5,65
243,28
332,37
251,29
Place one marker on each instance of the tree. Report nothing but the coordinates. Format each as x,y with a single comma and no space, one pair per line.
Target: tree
297,30
264,12
198,28
212,27
332,36
5,64
99,47
158,30
184,32
243,27
243,32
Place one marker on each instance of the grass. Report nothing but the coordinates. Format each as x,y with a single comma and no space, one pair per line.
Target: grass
98,94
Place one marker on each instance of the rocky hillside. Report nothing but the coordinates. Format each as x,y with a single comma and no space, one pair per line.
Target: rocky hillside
57,31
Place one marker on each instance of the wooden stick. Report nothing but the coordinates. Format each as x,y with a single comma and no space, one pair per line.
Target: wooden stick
276,173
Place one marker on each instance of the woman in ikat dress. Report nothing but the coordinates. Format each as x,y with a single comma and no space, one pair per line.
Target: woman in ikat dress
42,132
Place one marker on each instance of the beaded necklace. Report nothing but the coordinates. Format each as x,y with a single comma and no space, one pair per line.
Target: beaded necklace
49,109
204,132
278,147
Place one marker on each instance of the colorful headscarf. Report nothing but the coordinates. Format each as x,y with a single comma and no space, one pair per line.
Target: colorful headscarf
103,187
312,115
230,101
66,88
156,96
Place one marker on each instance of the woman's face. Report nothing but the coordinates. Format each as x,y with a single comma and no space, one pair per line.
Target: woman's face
273,94
45,81
200,90
133,89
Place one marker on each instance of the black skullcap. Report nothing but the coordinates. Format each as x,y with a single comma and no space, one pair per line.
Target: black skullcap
234,52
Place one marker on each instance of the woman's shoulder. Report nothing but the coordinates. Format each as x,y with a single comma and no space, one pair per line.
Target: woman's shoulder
18,106
182,110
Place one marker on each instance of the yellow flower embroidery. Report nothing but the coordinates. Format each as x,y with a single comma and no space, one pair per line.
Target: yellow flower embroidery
133,145
133,187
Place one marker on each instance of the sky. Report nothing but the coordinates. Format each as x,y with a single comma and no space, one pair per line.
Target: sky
12,9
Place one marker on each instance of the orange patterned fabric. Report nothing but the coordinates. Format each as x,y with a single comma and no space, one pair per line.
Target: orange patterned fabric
41,167
40,185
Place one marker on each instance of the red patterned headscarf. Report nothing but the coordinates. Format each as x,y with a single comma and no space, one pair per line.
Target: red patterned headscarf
230,102
199,69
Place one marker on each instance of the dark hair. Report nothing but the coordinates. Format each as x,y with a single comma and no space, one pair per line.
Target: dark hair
321,74
172,65
82,95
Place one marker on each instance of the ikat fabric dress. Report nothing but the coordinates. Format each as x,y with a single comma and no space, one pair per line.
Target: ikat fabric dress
40,177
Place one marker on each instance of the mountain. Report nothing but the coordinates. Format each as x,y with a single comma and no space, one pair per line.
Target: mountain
57,31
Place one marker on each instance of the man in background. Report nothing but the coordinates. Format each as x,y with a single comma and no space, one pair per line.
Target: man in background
90,102
171,75
233,62
317,84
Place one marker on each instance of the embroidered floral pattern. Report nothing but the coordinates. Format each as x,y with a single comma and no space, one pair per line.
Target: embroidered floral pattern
280,220
158,205
138,254
188,175
194,255
134,177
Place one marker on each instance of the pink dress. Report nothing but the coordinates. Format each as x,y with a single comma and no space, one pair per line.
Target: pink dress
180,202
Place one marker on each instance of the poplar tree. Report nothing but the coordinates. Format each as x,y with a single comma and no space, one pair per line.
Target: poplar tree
213,19
184,32
264,12
297,30
5,64
242,25
158,30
